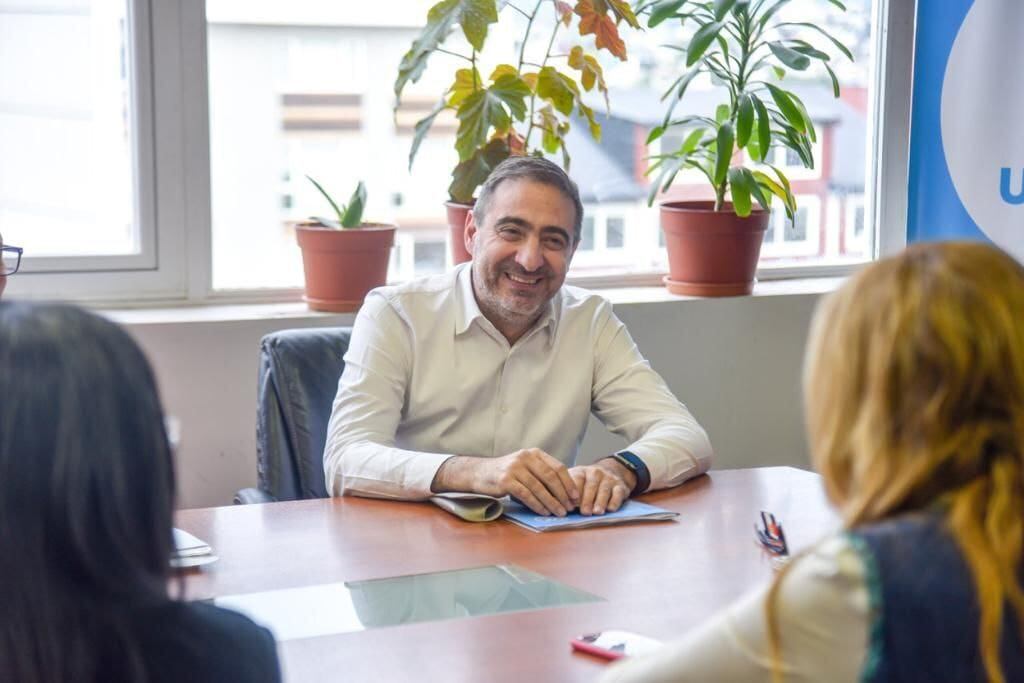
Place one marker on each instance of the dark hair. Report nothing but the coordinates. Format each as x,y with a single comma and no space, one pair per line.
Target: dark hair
539,170
86,495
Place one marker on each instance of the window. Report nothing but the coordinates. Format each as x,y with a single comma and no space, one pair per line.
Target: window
314,88
800,238
587,236
615,232
185,131
66,131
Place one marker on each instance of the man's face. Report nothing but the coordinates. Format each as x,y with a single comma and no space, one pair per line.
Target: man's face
521,253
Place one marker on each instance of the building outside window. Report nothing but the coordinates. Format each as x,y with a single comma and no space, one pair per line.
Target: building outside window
268,93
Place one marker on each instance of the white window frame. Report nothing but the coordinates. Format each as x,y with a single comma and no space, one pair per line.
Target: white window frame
780,248
173,172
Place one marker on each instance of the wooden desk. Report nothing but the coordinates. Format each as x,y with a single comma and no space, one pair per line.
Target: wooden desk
658,579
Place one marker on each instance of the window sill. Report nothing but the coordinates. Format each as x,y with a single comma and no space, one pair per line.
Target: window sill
298,311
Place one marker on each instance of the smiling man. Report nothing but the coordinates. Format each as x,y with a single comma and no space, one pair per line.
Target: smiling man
483,379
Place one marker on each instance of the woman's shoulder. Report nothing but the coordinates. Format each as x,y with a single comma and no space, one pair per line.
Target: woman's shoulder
200,642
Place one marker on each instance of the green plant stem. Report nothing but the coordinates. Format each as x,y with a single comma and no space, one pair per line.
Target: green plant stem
521,11
476,77
737,90
453,54
533,96
526,35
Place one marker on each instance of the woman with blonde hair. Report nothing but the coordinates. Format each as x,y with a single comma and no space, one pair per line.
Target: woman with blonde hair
914,398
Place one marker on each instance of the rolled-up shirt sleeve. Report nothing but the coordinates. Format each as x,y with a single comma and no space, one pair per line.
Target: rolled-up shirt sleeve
633,401
360,457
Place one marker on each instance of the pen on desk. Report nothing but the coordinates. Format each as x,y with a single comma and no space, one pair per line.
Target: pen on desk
771,536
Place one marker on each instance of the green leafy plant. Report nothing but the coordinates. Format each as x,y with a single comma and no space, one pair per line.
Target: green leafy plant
744,46
498,115
349,215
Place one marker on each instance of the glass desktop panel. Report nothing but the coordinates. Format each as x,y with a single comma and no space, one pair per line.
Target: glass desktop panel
326,609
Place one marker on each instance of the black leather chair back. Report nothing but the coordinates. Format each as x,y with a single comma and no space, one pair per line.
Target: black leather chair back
298,379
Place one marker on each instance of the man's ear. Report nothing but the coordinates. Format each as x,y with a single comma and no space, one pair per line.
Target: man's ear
469,234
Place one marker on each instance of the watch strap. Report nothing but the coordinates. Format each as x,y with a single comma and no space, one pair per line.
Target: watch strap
637,466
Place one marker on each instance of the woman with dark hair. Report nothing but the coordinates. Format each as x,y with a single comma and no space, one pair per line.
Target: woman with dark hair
86,500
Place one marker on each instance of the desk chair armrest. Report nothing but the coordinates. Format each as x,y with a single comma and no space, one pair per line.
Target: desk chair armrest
250,496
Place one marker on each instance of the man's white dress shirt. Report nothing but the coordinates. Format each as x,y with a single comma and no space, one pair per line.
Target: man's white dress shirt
427,376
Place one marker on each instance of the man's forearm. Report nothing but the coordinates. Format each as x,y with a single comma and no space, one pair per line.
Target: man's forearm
370,469
457,473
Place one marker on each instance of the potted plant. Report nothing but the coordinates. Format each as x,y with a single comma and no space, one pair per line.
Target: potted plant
714,246
343,259
499,113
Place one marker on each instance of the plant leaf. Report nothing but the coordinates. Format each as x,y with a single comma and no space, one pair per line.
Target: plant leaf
473,15
556,89
668,173
477,115
740,190
764,127
564,11
755,190
338,212
620,9
594,126
655,133
789,199
692,140
660,11
780,73
353,215
472,172
790,57
422,126
765,180
467,81
702,39
552,129
591,73
476,16
503,70
722,113
835,81
809,50
798,103
723,152
788,109
606,33
722,7
839,46
771,12
486,109
744,121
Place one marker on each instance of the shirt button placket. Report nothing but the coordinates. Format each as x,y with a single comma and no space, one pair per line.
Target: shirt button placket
502,411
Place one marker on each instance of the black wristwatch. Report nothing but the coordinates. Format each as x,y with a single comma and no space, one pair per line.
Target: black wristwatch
634,464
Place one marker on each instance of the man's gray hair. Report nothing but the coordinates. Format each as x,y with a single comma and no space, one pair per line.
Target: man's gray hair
538,170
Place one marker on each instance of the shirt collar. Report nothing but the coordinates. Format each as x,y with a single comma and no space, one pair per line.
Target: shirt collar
467,311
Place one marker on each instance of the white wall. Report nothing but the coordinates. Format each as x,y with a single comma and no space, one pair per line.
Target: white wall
734,362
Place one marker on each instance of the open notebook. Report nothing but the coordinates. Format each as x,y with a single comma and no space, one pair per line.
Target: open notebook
474,507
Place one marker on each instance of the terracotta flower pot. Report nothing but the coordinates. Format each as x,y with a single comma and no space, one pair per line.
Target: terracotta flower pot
711,253
457,228
341,266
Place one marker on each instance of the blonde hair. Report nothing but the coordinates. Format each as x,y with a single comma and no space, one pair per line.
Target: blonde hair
914,395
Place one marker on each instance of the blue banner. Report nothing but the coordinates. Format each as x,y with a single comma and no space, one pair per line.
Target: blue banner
967,123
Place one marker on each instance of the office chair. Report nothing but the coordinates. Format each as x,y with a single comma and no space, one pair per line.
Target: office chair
298,378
